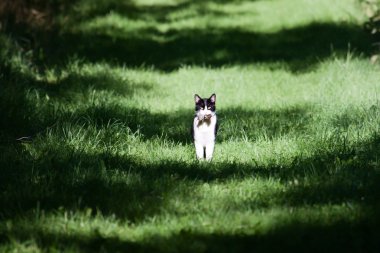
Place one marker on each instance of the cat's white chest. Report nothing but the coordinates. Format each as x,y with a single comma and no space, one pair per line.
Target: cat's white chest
204,131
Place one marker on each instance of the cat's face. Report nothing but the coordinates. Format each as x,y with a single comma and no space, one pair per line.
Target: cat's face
205,107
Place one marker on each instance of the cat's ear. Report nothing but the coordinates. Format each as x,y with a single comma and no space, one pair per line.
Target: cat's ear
213,98
197,98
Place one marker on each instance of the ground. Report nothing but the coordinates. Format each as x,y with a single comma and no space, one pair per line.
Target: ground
96,151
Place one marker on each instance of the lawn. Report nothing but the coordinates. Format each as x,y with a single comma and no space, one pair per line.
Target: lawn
95,147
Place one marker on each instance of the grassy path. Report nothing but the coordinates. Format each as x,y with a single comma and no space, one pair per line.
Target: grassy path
106,106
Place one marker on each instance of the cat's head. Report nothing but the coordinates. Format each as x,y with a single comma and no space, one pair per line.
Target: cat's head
205,107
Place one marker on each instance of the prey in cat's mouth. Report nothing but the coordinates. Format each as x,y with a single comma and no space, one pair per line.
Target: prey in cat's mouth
207,116
204,127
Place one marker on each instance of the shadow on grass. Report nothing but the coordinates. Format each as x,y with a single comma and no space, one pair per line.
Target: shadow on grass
133,190
235,123
300,48
159,12
31,106
103,80
68,177
359,236
26,108
71,178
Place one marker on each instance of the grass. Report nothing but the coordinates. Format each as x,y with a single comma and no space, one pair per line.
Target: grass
105,104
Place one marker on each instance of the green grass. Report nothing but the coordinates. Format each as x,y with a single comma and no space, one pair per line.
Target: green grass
107,103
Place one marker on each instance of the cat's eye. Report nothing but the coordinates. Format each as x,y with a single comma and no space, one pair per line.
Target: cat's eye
209,107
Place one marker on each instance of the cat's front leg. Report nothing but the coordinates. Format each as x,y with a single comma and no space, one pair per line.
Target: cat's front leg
209,151
199,150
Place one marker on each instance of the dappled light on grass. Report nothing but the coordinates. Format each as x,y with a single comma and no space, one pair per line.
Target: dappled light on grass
95,145
298,47
210,33
124,155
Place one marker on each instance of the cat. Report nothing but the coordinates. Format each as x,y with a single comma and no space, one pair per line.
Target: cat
204,127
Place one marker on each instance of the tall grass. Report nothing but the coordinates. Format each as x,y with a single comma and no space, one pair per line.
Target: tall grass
96,152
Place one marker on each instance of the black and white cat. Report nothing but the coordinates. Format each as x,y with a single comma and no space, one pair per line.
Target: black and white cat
205,127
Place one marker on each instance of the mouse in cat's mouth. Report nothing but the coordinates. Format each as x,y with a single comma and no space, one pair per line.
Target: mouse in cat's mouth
207,116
